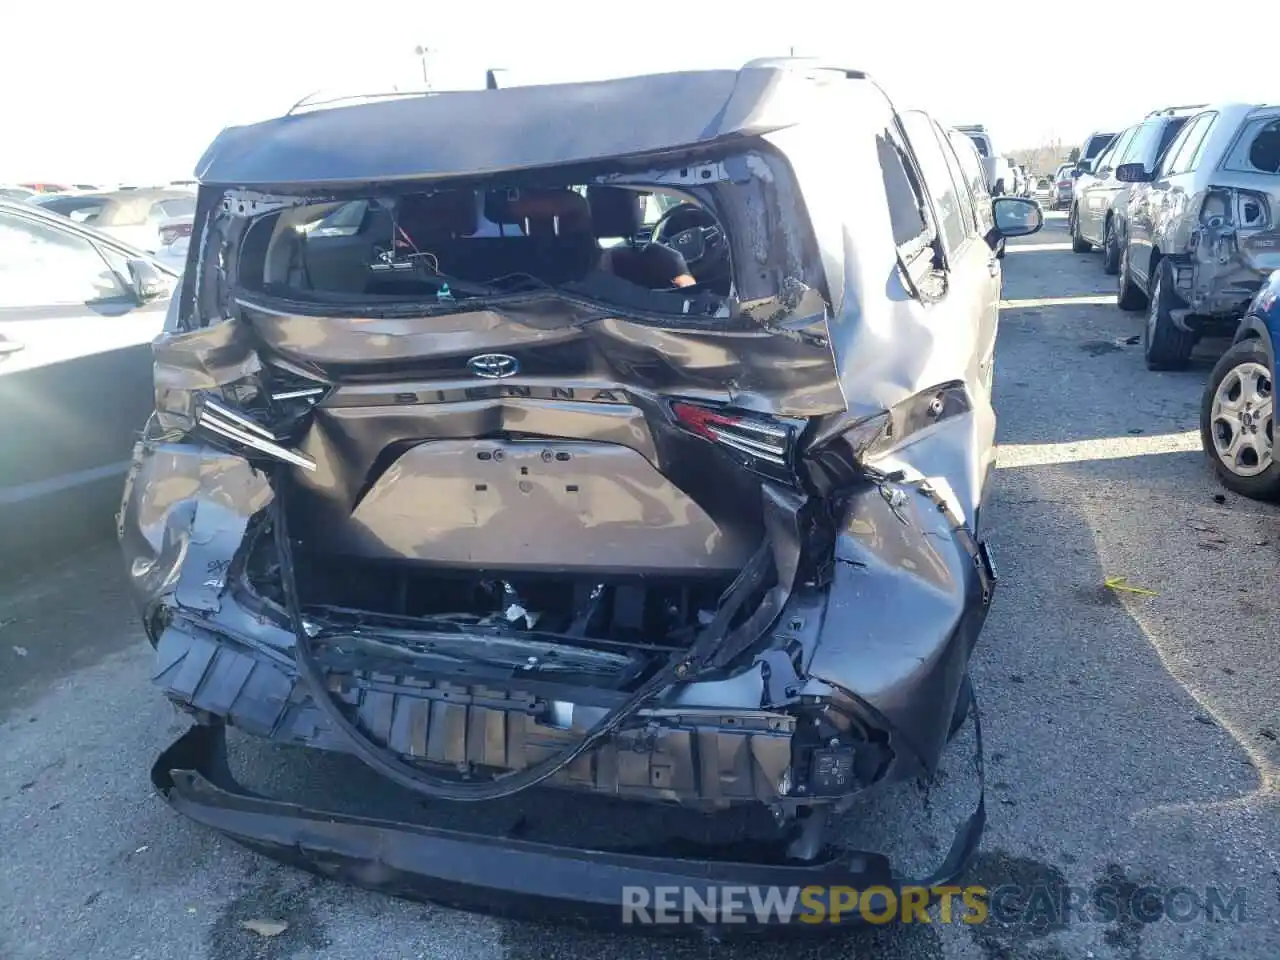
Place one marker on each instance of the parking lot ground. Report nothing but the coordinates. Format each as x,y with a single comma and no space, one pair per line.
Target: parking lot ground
1132,738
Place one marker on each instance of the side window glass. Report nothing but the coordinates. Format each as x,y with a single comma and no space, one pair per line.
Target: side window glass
345,221
903,193
43,266
933,165
1183,161
1201,139
1103,163
1129,149
1141,145
1169,131
958,182
1174,148
971,165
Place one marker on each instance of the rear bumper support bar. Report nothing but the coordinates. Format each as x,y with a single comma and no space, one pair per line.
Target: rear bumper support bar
495,874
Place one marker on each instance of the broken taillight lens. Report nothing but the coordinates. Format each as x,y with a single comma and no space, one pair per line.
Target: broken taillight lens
228,424
1231,207
261,416
760,438
171,232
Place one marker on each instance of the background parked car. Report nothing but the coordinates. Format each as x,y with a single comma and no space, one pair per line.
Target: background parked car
1100,200
1237,413
1200,234
975,176
1092,147
133,216
992,162
78,312
175,236
1064,185
1044,191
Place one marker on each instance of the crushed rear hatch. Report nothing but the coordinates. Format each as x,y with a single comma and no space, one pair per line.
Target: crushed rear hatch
449,474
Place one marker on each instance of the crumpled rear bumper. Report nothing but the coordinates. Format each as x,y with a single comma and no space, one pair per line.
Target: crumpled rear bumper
512,877
724,739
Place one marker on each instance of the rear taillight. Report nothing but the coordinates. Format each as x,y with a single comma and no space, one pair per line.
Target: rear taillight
1230,207
227,423
761,439
170,233
1064,183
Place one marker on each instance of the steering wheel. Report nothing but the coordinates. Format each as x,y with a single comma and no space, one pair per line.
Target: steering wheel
695,234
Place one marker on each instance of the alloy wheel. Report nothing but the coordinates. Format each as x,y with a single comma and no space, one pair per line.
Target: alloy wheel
1241,420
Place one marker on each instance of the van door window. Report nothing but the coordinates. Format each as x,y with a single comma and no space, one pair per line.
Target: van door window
937,177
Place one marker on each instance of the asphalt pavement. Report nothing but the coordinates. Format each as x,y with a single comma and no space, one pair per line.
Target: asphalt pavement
1132,737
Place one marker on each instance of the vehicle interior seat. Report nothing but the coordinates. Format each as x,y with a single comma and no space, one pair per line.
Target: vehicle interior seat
615,212
551,239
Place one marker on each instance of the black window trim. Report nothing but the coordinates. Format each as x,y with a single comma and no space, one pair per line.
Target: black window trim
929,239
942,258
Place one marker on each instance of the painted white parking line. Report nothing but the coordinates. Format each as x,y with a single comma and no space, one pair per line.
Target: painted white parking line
1035,247
1100,299
1012,455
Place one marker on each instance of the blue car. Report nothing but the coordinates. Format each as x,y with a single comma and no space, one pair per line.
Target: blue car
1237,412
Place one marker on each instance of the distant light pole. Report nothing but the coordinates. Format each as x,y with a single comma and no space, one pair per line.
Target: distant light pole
423,53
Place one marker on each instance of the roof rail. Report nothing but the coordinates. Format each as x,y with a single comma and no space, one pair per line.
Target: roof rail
310,100
1170,111
802,63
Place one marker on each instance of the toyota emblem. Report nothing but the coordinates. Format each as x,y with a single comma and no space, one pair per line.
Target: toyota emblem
493,366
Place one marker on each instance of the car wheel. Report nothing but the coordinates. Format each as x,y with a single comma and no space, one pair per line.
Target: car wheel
1128,295
1236,417
1110,250
1078,243
1165,345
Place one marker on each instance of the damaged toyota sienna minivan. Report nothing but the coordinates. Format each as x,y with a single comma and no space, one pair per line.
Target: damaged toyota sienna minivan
625,438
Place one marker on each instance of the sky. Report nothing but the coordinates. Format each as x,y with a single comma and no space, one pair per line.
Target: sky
137,91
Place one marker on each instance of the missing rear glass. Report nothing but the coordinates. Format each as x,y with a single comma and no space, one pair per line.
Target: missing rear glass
650,248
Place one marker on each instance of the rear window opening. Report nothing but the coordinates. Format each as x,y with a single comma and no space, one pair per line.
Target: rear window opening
982,144
1257,150
1096,144
652,248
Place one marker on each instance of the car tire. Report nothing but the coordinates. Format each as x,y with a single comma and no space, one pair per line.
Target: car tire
1110,250
964,702
1254,478
1165,345
1078,243
1129,295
